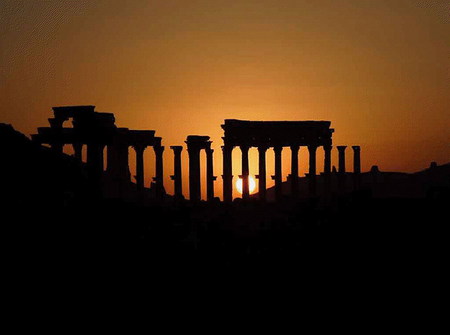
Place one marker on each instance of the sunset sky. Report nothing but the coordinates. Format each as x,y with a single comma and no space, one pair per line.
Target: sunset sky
378,70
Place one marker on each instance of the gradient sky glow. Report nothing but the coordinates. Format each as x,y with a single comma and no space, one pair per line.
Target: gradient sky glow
378,70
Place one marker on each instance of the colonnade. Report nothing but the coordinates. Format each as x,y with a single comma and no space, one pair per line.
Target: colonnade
98,130
194,145
277,177
158,179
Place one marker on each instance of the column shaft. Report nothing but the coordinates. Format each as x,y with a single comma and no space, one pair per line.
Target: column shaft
194,174
178,191
278,173
227,173
327,170
327,159
356,167
245,172
312,169
159,170
57,147
294,170
123,168
78,151
262,173
356,159
341,169
95,159
209,174
95,167
122,161
139,166
341,150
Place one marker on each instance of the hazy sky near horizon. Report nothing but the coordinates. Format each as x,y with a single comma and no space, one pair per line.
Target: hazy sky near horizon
378,70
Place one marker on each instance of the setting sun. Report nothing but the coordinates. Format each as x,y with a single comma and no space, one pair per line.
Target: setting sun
251,184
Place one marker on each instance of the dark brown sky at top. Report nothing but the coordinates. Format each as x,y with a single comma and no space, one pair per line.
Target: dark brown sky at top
379,70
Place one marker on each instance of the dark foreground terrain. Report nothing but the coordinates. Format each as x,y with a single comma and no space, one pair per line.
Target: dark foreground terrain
58,237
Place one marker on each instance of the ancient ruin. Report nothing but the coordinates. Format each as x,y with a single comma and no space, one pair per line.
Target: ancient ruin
194,145
177,175
276,135
98,130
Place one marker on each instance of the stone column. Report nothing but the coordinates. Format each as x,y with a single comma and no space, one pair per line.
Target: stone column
57,146
327,160
341,169
356,159
312,169
139,166
123,168
194,172
78,151
95,167
294,170
95,158
176,177
56,124
245,172
341,149
122,161
356,166
210,178
327,169
227,173
262,172
159,170
278,176
112,160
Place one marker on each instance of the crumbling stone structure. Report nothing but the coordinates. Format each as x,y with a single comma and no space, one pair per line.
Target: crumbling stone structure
276,135
356,167
194,145
177,175
97,130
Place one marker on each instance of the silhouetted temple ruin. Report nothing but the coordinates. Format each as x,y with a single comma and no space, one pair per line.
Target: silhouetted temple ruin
97,131
276,135
194,145
177,175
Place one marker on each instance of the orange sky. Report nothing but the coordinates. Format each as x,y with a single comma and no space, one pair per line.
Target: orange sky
378,70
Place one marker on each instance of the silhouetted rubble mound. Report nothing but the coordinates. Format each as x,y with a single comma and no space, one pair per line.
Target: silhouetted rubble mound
33,175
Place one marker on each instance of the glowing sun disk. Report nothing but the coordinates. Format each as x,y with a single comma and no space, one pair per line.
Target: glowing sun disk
251,184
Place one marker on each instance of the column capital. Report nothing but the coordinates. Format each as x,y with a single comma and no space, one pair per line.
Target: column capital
244,147
312,147
176,148
139,148
193,149
158,149
263,148
277,149
356,147
341,147
295,147
56,123
227,147
77,145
